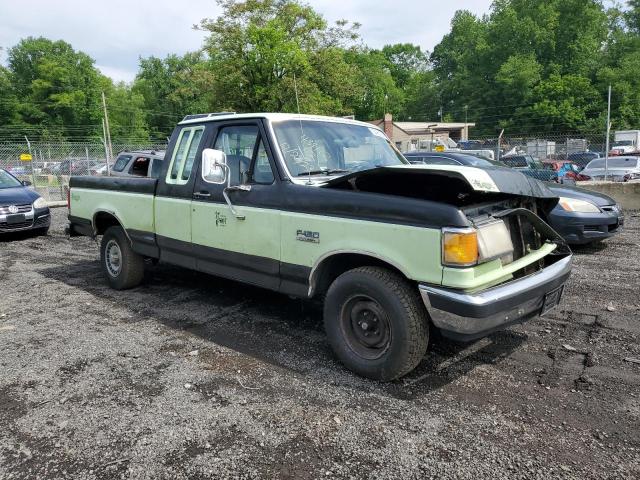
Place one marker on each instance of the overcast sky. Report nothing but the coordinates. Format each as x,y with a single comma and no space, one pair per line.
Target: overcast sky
117,32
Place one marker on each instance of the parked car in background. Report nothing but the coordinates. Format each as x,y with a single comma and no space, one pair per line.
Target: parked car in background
582,158
142,163
529,165
75,166
619,169
21,208
567,172
583,216
580,217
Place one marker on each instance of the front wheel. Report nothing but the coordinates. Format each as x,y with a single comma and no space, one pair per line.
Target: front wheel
123,267
376,323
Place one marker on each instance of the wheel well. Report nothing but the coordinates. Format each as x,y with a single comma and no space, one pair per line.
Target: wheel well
104,220
334,266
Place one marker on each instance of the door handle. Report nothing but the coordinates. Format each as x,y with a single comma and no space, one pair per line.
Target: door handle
202,194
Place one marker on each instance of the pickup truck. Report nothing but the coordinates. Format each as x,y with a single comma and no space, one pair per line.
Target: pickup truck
327,208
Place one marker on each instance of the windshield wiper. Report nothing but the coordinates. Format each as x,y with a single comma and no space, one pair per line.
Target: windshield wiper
326,171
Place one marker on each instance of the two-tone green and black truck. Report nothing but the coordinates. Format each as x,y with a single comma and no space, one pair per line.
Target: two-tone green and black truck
319,207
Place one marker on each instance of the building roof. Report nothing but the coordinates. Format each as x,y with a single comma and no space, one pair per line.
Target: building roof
425,127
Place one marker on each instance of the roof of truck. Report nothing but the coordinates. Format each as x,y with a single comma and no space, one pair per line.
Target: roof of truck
274,117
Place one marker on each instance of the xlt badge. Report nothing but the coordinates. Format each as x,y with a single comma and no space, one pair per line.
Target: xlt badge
308,236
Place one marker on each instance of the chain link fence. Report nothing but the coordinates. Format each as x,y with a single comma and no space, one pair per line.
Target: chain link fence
540,156
49,165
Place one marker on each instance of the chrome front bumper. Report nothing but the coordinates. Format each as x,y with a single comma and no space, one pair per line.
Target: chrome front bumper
468,316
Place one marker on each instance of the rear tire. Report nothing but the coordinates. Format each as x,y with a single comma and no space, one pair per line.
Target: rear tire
376,323
123,267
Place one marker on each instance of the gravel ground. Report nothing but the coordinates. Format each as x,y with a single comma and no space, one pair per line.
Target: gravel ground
190,376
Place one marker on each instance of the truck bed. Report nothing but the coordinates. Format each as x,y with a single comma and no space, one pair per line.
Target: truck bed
130,200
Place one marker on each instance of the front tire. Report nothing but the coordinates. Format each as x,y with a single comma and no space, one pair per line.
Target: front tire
123,267
376,323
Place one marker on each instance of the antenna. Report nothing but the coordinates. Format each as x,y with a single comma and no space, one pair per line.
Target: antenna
295,87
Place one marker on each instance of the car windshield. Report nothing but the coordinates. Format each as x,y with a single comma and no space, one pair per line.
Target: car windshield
515,162
483,162
614,163
311,147
8,181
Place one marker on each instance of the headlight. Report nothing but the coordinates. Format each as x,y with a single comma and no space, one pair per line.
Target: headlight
575,205
39,203
465,247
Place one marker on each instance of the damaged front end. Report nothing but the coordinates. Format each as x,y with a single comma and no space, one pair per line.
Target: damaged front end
505,266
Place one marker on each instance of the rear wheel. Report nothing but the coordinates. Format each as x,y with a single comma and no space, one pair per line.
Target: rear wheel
376,323
123,267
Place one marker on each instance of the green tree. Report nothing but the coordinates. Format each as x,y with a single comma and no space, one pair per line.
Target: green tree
263,49
172,88
57,87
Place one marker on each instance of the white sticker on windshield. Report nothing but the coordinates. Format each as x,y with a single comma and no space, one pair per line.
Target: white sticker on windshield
377,133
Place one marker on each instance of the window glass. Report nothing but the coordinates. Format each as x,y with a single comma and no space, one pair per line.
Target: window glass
121,162
316,147
140,166
515,162
8,181
622,162
191,155
156,166
184,155
237,143
439,161
262,172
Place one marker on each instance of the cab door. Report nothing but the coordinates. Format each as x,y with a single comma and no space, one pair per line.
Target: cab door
173,197
245,247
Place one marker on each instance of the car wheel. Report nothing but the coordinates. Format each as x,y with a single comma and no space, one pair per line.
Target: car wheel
123,267
376,323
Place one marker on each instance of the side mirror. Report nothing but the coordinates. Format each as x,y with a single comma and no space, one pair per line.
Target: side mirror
26,183
214,166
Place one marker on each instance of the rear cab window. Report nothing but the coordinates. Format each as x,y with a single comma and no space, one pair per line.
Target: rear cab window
184,155
121,163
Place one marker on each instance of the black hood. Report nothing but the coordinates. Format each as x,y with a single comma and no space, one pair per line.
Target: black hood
599,199
17,196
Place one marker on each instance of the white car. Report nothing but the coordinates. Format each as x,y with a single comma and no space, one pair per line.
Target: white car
619,169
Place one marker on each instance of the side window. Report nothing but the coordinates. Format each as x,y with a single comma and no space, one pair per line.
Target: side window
121,163
262,172
140,166
184,155
238,143
156,166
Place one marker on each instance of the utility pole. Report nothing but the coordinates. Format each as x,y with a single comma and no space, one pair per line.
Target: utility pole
33,173
106,148
499,143
466,121
106,126
606,149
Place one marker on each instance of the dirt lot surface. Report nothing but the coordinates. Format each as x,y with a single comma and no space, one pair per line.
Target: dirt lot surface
190,376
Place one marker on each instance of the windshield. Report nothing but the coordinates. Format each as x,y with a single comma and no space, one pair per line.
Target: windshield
614,163
312,147
8,181
515,162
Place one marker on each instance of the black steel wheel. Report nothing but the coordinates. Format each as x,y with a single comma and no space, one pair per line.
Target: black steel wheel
376,322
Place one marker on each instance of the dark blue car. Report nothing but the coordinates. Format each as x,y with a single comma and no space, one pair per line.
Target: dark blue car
580,217
21,209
